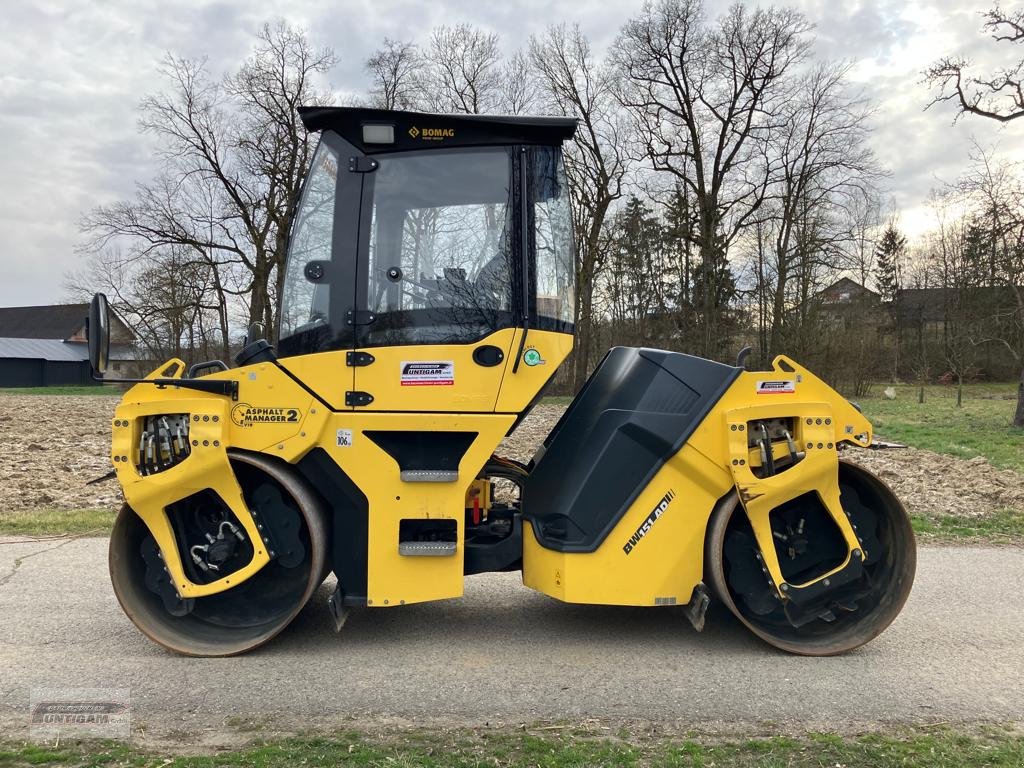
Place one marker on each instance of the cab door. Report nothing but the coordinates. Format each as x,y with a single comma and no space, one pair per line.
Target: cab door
318,319
437,297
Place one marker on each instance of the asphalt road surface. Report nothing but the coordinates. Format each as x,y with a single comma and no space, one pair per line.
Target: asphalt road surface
506,654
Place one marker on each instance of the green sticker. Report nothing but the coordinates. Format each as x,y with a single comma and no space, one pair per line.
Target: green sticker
532,357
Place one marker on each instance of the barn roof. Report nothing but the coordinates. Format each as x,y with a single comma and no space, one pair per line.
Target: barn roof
45,349
55,321
833,293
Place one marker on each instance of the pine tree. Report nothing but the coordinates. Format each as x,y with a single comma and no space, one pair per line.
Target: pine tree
680,228
890,253
637,272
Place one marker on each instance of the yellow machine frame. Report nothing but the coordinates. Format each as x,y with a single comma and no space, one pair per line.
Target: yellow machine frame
366,440
667,567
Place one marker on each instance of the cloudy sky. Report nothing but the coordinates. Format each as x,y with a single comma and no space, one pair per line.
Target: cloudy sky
72,73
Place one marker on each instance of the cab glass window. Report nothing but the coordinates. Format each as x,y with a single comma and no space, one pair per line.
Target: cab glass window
553,267
441,247
304,305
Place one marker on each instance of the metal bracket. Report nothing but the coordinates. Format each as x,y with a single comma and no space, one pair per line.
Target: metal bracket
216,387
336,602
356,398
362,164
358,359
359,317
698,606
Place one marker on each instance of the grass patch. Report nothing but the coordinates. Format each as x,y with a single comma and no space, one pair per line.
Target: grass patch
1004,526
108,390
980,428
56,522
943,748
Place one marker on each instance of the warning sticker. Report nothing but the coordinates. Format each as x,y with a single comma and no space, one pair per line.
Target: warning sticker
781,387
434,373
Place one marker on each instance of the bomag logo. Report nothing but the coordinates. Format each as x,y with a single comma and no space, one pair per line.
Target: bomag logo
245,415
432,134
646,525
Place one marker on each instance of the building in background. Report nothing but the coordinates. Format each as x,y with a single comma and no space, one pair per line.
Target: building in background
847,301
46,346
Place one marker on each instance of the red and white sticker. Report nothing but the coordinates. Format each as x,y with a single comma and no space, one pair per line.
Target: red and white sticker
428,373
777,387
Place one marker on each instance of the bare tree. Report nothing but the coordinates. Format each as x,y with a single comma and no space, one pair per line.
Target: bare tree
864,220
460,70
573,83
518,94
169,300
392,69
954,261
825,168
233,155
997,97
707,98
996,191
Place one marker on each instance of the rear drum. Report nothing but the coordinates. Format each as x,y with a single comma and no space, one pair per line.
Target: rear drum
731,566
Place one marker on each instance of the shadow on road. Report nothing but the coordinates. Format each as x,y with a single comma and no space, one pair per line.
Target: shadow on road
524,619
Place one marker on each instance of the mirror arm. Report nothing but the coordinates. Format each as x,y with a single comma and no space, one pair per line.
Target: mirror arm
216,387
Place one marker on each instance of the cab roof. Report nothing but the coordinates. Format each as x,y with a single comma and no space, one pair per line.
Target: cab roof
421,130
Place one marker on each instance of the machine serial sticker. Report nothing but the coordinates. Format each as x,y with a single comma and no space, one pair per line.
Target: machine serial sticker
434,373
344,438
646,525
245,415
781,387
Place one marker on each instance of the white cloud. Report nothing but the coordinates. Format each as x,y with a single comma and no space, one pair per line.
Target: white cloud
72,74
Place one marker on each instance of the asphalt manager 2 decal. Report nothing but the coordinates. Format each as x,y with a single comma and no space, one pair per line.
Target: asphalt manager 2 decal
433,373
245,415
647,524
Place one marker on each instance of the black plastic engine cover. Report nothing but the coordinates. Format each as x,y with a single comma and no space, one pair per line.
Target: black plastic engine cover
636,411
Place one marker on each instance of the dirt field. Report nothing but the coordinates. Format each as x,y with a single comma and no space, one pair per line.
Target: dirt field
53,445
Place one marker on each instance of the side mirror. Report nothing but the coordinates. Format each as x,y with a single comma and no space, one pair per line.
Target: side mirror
256,331
98,331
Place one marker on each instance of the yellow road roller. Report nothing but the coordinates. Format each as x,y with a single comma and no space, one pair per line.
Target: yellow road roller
427,302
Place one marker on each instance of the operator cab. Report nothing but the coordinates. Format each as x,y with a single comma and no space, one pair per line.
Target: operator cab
420,229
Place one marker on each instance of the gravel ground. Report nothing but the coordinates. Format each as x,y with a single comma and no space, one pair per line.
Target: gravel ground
934,483
55,444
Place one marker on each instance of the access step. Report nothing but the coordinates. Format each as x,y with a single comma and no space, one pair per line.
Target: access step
429,475
426,548
427,537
